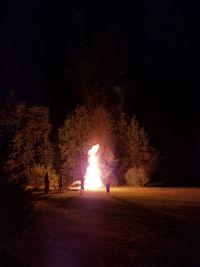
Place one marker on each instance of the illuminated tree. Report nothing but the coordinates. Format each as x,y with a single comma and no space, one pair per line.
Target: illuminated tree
81,130
72,139
31,144
134,156
102,127
142,156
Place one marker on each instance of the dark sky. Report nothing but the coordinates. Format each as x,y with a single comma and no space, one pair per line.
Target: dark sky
145,52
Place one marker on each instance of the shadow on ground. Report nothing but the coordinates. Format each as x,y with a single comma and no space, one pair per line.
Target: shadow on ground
98,230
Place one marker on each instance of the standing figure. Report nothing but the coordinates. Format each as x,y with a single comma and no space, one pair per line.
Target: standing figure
60,184
46,183
82,185
107,187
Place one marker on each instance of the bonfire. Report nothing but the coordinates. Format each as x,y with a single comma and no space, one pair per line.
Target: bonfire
93,176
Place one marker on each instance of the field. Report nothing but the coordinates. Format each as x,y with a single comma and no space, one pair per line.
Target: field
129,227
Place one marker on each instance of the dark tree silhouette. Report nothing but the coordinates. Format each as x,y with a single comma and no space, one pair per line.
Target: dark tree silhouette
11,114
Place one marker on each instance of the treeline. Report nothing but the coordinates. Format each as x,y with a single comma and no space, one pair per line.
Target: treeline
28,147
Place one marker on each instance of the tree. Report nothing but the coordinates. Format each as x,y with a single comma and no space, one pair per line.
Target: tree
122,155
142,157
72,139
31,144
84,128
11,113
102,128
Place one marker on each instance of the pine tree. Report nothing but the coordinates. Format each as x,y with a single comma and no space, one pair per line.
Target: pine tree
139,157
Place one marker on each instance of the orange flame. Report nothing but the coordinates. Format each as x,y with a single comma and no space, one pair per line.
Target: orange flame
92,176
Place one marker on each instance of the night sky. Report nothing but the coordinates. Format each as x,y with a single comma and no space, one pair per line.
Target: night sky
146,53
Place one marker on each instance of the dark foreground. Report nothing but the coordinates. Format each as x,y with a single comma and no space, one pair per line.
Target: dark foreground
148,227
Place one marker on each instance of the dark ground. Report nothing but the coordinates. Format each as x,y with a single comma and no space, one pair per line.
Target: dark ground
156,227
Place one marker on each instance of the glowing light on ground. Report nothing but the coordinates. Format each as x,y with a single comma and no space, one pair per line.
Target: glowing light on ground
92,176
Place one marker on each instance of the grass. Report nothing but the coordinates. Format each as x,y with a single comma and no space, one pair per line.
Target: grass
131,227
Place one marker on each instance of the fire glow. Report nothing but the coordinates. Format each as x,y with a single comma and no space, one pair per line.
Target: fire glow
92,176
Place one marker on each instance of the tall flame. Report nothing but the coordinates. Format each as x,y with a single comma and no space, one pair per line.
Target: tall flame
92,176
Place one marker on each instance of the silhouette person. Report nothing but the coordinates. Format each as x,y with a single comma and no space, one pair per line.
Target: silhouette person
46,183
60,184
82,186
107,187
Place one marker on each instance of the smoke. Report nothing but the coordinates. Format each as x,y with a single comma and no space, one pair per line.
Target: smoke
119,98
